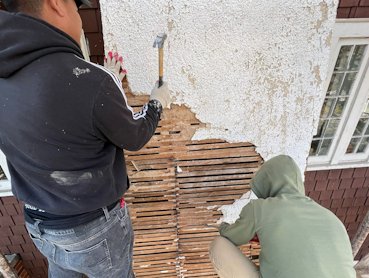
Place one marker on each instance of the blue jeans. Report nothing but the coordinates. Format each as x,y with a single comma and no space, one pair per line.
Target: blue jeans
101,248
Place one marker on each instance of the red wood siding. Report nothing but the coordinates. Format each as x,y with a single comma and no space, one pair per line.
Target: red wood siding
344,192
14,238
91,20
353,9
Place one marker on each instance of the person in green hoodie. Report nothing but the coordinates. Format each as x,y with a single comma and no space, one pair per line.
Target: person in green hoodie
298,237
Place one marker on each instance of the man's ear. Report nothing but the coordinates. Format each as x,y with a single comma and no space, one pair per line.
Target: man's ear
58,6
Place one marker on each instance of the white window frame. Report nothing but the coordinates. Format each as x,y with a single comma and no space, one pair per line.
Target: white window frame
347,31
5,185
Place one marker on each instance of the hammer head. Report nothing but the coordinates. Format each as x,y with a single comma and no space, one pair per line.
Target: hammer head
159,41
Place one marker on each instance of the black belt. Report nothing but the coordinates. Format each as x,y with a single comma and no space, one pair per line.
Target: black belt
50,221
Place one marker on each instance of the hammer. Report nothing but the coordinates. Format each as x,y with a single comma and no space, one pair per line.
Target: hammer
159,43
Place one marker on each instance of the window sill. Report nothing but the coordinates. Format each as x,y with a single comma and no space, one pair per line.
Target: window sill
318,167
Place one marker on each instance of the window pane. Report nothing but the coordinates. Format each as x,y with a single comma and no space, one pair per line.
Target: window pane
324,148
340,105
314,147
352,145
361,132
335,84
363,145
343,58
331,128
347,84
360,126
357,57
327,106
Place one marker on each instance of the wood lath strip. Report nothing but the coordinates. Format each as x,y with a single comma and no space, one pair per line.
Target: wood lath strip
177,187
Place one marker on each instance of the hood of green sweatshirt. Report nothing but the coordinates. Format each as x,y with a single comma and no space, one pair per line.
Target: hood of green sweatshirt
279,175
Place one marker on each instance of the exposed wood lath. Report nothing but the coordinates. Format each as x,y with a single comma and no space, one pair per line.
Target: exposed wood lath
177,187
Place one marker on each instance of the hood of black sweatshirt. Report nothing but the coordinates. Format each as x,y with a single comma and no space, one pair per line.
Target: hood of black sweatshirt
24,39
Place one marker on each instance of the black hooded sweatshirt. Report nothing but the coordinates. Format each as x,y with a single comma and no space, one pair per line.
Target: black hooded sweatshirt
64,122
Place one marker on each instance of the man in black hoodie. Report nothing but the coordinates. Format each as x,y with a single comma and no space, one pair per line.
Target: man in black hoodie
64,123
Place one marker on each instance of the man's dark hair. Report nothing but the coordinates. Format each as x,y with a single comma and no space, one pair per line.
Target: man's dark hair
27,6
32,6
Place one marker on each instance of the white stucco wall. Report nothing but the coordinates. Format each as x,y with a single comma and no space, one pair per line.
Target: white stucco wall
252,70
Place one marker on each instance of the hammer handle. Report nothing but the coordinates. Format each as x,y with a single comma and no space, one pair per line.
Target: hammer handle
161,67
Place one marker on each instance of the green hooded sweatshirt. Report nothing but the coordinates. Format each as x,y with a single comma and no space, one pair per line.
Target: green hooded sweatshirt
298,237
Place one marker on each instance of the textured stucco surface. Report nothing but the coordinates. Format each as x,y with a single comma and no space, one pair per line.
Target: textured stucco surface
232,212
251,70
